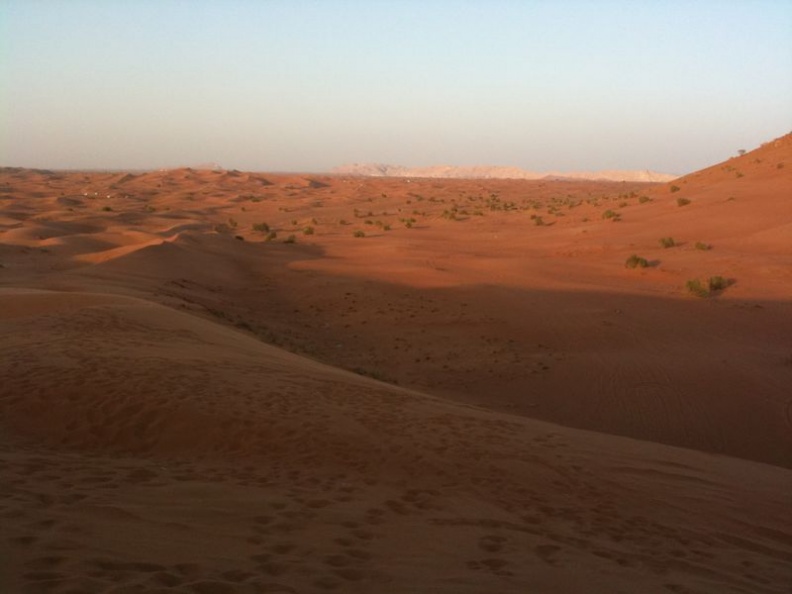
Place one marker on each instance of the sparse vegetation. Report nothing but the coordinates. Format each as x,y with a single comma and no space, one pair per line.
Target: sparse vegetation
682,201
271,236
644,199
674,189
697,288
290,239
667,242
359,233
636,261
717,283
609,214
700,245
308,230
107,209
261,227
714,284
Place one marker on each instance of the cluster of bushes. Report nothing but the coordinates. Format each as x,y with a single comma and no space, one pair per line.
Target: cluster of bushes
713,285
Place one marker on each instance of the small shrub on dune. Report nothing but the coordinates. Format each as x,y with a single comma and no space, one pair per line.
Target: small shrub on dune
308,230
261,227
674,189
359,233
636,261
697,288
644,199
714,284
682,201
717,283
667,242
270,236
700,245
609,214
290,239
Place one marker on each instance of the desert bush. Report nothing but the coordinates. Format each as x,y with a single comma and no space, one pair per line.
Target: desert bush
290,239
107,209
359,233
674,189
700,245
636,261
714,284
717,283
644,199
609,214
682,201
667,242
261,227
308,230
270,236
697,288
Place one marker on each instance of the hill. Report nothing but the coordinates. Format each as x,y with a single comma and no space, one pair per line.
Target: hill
494,172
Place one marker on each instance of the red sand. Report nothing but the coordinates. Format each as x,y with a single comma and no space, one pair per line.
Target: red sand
561,423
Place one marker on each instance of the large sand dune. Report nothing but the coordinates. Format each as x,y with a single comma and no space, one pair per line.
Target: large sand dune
186,406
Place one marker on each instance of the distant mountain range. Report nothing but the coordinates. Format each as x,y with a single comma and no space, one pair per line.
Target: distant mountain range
496,172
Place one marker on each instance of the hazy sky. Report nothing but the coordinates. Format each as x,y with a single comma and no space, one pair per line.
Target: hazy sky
307,85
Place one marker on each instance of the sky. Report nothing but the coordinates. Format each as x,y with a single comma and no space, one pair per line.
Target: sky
299,85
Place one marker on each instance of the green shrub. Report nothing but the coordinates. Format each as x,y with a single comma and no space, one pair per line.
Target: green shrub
667,242
714,284
682,201
695,287
644,199
717,283
703,246
636,261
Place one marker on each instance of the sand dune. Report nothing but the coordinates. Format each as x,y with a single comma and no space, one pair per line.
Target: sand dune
443,386
245,468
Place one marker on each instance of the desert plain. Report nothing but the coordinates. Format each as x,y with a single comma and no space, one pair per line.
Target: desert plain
220,381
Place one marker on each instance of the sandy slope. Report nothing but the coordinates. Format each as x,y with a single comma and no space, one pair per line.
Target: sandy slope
157,450
156,436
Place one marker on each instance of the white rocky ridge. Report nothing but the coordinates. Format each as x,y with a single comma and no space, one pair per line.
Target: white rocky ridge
496,172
